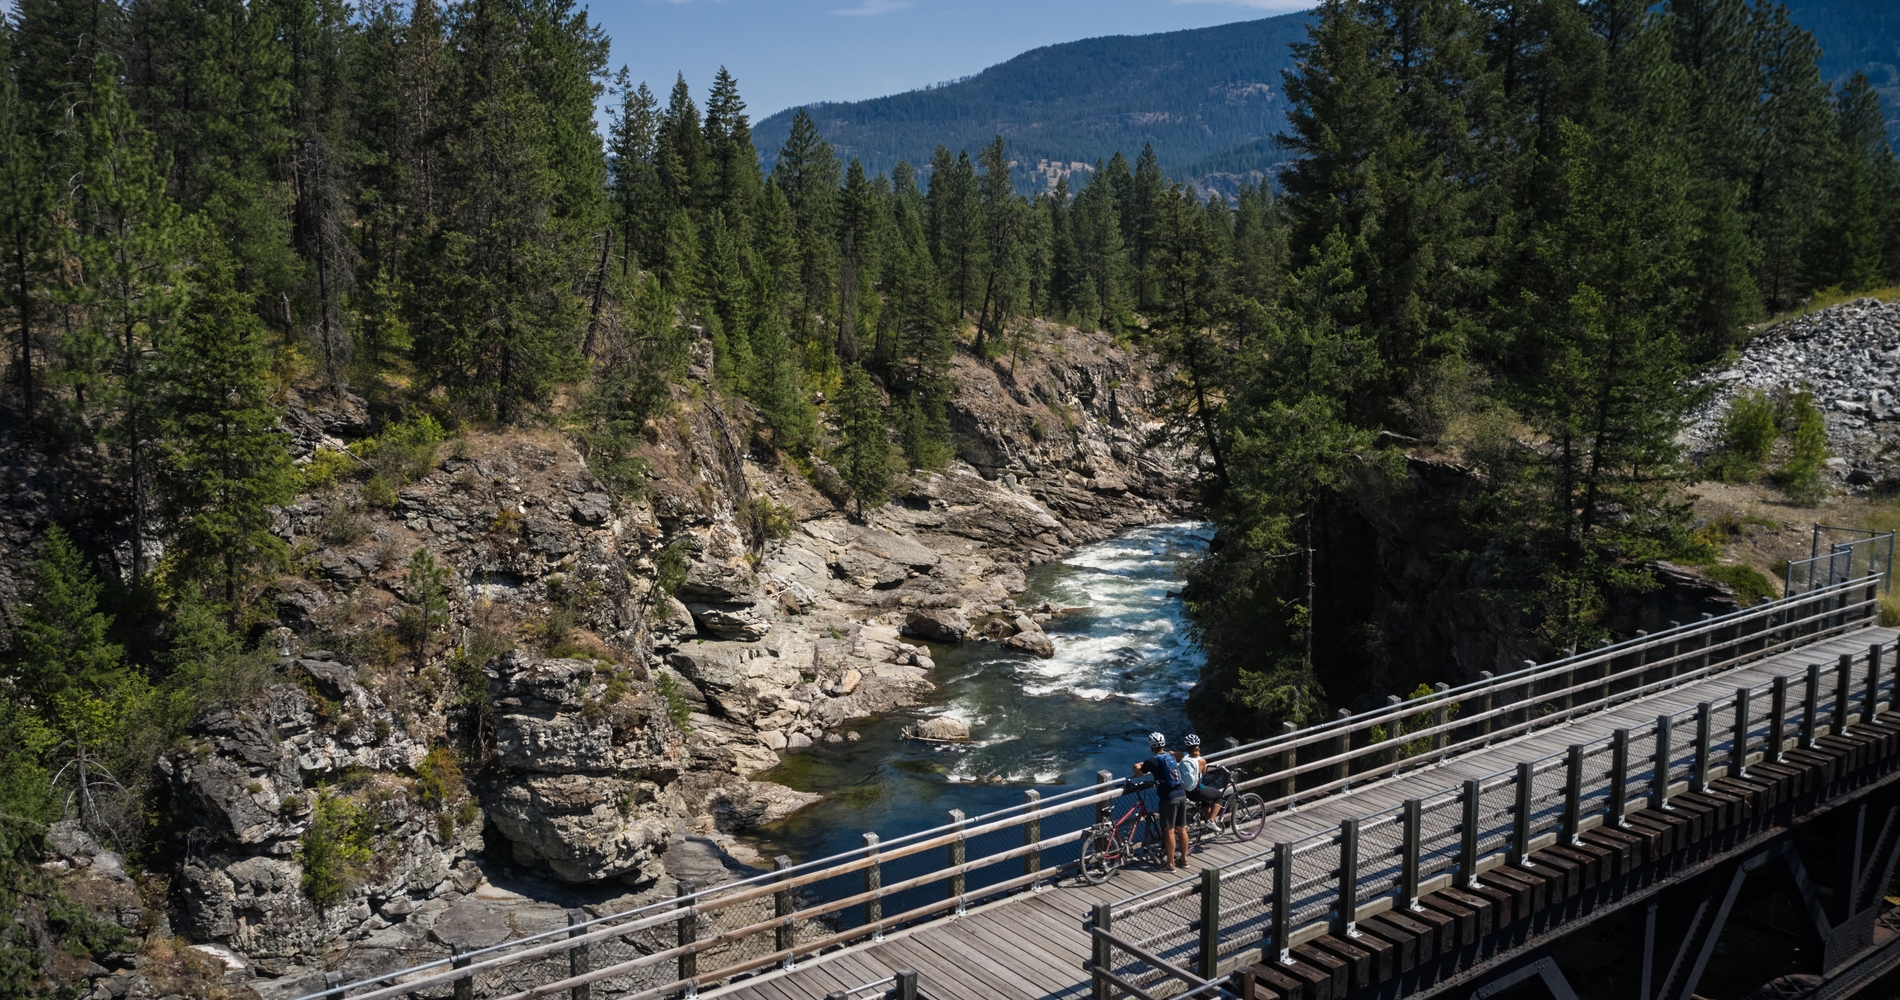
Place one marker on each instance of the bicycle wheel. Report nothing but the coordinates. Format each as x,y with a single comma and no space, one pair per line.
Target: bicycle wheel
1101,855
1246,815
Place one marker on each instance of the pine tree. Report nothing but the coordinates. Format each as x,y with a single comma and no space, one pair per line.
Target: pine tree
1847,246
807,174
955,227
25,235
225,462
863,454
124,237
1099,251
681,158
62,641
1004,232
1791,129
632,153
734,161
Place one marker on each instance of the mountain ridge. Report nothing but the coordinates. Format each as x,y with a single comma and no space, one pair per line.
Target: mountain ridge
1214,143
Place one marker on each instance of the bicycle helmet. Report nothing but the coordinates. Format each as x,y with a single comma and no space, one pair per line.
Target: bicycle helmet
1156,741
1192,741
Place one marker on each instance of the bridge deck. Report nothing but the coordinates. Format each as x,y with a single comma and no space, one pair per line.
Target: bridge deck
1032,945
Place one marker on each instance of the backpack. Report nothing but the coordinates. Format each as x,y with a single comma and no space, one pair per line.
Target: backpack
1190,774
1167,774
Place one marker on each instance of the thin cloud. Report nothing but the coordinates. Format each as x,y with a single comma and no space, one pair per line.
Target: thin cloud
870,8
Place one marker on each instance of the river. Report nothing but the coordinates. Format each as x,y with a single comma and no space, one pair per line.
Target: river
1122,669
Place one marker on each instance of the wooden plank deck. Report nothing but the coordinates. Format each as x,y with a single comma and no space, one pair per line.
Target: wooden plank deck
1031,946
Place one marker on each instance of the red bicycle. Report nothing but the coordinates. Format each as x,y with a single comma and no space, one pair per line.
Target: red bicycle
1135,836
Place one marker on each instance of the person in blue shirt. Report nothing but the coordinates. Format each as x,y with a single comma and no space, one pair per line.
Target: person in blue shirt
1171,793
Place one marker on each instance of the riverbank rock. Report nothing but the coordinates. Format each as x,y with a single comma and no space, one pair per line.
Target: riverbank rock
943,728
937,625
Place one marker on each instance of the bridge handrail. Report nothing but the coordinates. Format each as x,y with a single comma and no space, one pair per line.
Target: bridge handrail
1332,731
1822,605
1603,682
1727,732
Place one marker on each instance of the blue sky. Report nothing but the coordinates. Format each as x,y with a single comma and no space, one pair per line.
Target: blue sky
787,52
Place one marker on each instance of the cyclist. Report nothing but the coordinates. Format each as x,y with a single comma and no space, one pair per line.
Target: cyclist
1199,792
1170,794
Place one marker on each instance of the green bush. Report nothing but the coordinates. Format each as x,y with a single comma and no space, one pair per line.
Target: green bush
334,850
1800,473
403,453
1748,436
1749,585
678,708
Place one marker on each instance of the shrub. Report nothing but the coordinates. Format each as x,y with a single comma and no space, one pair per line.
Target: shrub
438,778
334,850
326,467
1800,472
678,708
1748,436
404,452
343,525
1750,586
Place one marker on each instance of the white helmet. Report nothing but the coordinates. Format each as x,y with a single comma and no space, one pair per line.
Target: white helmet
1156,741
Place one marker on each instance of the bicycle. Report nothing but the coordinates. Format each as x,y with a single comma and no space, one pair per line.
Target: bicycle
1136,835
1242,814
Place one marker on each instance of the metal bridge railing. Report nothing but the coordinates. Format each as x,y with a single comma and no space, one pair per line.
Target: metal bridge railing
1151,945
780,918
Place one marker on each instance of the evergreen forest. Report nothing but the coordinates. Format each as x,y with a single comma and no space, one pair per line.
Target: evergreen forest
1511,226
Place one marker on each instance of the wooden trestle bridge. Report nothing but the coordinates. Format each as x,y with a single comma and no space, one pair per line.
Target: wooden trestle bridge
1445,861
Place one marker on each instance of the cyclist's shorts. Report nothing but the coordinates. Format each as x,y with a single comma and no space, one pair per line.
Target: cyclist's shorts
1174,812
1205,795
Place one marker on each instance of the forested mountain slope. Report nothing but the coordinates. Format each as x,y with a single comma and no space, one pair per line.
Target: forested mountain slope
1193,94
1208,99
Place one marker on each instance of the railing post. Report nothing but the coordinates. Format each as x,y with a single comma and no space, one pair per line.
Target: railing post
1289,759
1778,721
1573,794
874,883
1811,705
958,848
1032,835
1468,832
1484,677
1408,855
1843,680
1699,777
1349,878
1342,771
1395,734
1439,719
905,987
1659,774
783,905
1873,683
579,957
1527,697
1282,901
458,959
1738,739
1521,823
1105,809
1619,778
1210,922
1101,953
688,935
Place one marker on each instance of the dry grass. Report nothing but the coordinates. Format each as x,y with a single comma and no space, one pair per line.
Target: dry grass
1755,525
1823,299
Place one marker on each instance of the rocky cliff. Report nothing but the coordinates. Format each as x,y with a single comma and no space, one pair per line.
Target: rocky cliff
563,732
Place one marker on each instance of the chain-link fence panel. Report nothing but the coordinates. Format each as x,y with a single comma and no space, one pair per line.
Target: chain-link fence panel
1497,813
1381,855
1246,903
1441,825
1548,777
1159,922
1598,779
1642,770
1315,879
1681,746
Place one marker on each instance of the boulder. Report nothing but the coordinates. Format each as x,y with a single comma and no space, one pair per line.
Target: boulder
734,622
936,624
1034,641
943,728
